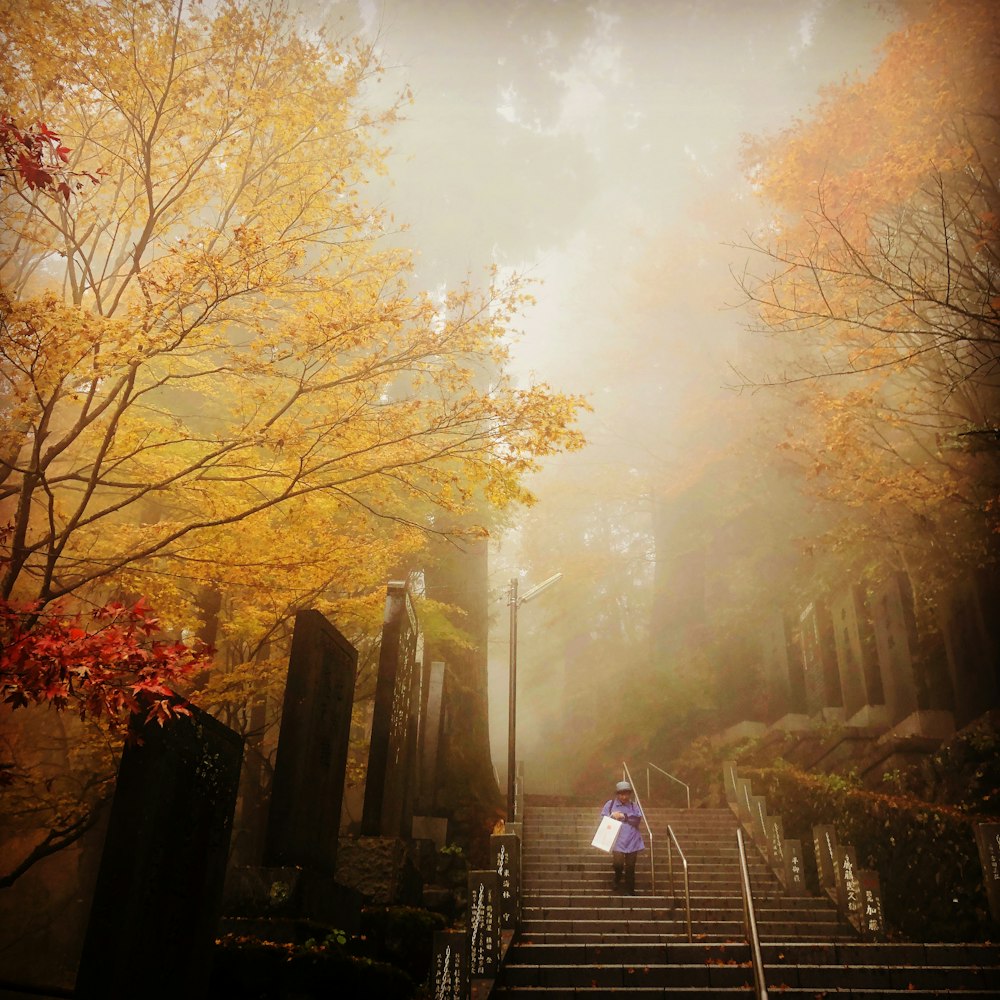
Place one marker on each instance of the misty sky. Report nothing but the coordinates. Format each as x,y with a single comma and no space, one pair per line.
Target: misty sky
596,147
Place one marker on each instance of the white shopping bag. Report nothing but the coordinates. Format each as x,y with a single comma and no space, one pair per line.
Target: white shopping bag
607,834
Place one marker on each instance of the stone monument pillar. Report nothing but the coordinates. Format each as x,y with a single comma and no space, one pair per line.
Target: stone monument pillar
164,863
854,639
296,879
387,810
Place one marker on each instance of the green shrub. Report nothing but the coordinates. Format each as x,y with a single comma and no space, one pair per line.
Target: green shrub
402,935
246,968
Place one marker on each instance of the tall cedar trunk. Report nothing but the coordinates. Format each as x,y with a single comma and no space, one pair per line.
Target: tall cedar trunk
467,787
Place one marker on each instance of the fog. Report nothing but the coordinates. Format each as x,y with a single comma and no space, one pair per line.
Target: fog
595,147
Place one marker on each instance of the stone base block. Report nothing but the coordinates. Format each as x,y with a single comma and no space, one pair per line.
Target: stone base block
384,870
936,724
791,723
830,714
740,731
871,716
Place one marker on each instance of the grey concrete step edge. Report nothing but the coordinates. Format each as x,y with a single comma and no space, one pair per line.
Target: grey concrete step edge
667,992
709,974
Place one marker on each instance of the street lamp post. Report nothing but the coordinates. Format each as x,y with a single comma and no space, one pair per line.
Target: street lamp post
514,602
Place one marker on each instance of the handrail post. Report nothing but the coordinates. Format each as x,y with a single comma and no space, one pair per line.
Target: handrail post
652,859
687,787
671,836
753,938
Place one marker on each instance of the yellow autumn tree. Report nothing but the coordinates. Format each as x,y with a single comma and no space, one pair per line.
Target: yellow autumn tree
221,389
215,365
880,281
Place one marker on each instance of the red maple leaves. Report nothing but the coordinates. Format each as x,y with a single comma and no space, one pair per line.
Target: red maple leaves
37,159
110,670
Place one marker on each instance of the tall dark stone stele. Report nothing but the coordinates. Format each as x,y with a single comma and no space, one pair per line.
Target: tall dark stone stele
973,656
988,843
155,911
388,803
308,787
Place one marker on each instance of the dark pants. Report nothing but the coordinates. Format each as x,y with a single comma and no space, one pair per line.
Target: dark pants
624,865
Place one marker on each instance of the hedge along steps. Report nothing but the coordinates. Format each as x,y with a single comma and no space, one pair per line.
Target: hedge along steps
926,855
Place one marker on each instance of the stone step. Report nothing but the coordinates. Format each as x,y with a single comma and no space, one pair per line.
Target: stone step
775,954
679,992
554,931
800,907
581,938
820,977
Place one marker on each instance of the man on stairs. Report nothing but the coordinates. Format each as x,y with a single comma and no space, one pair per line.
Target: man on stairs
629,841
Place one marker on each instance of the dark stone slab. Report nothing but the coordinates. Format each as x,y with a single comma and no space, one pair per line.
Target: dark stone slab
308,786
872,920
795,872
389,778
483,924
430,733
825,848
164,864
505,849
972,654
988,842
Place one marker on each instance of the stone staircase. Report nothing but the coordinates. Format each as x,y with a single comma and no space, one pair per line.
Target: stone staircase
580,936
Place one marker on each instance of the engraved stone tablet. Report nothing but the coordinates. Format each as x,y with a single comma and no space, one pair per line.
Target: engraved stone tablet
483,924
872,922
988,842
848,886
795,874
759,819
825,847
505,849
449,970
776,843
743,804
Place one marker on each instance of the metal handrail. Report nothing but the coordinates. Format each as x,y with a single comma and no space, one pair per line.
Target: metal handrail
652,863
687,884
687,787
753,938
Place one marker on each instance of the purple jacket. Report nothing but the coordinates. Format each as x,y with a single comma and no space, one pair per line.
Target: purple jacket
629,839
